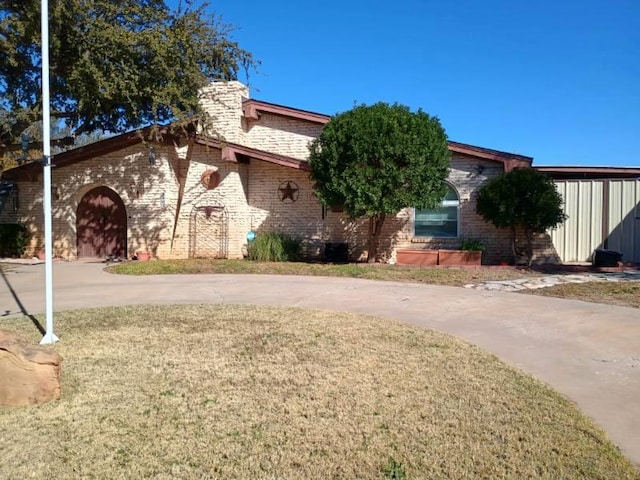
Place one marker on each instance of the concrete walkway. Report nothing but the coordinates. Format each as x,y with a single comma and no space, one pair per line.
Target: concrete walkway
588,352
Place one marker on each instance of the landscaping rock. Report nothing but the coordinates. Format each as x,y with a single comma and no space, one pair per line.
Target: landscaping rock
552,280
29,373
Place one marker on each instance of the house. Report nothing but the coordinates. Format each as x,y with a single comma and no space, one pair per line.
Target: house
199,196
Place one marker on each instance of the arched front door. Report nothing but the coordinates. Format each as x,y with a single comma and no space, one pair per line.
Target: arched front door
101,224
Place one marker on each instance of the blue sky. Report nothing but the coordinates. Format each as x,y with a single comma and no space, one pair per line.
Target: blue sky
556,80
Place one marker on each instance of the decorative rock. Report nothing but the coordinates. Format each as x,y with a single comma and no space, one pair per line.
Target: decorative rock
551,280
29,374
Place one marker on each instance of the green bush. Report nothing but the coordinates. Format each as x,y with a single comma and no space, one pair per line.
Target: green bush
13,239
522,199
472,244
274,247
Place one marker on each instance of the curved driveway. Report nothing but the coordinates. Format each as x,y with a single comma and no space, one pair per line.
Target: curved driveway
588,352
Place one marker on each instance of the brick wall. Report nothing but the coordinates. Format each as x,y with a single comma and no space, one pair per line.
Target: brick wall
397,232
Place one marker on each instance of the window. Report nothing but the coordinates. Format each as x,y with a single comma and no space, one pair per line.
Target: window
439,222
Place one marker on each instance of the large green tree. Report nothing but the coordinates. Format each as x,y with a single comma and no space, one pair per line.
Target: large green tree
376,160
114,65
522,199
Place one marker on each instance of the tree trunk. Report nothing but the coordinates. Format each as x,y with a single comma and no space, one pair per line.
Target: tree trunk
375,227
528,235
514,249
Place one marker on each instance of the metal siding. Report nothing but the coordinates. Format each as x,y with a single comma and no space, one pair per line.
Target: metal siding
570,234
615,216
623,212
636,224
557,235
597,218
581,233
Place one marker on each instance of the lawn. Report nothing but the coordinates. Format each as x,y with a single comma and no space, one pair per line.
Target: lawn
438,276
625,293
255,392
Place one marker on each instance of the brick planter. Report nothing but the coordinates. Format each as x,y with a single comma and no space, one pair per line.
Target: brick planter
459,257
143,256
431,258
417,257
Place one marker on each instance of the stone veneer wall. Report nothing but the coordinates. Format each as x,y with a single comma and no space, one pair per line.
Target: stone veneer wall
249,196
278,134
286,136
268,213
271,133
206,215
223,102
128,173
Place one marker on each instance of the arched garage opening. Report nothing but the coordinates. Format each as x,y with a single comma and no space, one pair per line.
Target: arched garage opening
101,224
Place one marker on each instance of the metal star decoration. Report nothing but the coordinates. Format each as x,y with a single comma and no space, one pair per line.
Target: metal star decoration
288,190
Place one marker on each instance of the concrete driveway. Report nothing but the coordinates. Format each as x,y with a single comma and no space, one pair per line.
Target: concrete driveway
588,352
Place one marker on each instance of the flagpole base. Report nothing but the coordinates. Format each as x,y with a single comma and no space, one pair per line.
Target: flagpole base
49,339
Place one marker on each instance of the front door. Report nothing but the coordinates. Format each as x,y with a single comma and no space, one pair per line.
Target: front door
101,224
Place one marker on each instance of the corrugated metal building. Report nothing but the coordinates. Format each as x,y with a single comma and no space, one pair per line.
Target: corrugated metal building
603,206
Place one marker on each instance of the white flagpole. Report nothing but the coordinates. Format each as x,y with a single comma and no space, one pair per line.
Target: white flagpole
49,336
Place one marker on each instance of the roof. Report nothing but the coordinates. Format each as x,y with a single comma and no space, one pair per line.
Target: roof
251,109
576,172
30,170
509,160
234,152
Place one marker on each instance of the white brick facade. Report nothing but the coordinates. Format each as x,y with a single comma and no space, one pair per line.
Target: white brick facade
172,215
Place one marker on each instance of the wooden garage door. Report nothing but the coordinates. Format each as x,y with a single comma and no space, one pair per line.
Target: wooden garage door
101,224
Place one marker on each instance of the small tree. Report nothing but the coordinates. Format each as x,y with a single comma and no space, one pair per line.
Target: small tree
376,160
522,198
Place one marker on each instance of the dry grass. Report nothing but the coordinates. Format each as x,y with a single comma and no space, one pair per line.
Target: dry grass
625,294
613,293
255,392
437,276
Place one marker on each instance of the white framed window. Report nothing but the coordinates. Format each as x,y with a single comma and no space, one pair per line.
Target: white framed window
441,222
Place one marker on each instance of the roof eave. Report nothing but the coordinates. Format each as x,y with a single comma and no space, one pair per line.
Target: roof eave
230,152
251,109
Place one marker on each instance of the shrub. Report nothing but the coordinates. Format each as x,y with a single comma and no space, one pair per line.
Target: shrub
13,239
275,247
472,244
375,160
525,199
394,470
